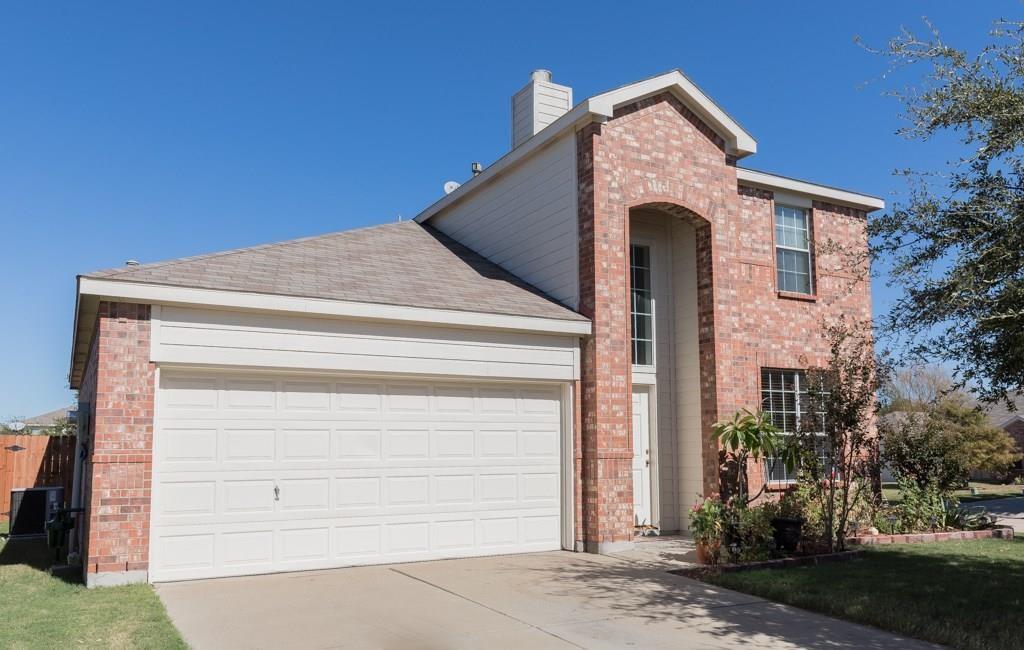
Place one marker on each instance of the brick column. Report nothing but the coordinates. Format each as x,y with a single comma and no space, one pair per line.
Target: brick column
118,472
606,400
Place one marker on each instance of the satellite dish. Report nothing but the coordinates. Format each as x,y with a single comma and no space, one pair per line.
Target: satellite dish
450,187
16,426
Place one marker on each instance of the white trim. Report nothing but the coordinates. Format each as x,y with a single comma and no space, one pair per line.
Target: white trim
568,471
601,108
154,451
832,194
738,141
154,293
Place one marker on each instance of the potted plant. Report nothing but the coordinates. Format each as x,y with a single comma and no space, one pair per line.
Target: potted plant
706,528
787,526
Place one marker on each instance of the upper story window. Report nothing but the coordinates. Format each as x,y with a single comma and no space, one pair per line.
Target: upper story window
793,249
642,306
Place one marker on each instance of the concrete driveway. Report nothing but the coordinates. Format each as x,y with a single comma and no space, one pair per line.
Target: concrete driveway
543,600
1010,511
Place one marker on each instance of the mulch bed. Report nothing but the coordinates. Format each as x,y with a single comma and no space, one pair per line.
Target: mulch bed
698,572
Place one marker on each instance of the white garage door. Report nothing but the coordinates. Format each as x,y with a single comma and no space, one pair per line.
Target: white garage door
254,473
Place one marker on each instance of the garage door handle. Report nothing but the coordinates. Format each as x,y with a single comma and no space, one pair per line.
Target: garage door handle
277,493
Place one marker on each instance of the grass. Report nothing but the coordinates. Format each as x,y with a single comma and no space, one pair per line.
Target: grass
38,610
961,594
986,491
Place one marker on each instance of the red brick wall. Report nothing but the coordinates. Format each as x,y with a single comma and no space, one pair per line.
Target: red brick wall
658,154
119,381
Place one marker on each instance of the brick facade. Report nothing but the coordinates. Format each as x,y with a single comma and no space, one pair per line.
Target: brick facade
117,474
657,154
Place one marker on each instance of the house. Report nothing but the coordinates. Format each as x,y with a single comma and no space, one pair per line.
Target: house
46,423
533,363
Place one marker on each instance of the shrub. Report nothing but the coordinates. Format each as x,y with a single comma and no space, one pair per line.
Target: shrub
922,508
706,520
944,444
918,448
748,533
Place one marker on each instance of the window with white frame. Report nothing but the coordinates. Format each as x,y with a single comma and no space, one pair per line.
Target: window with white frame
642,305
793,249
784,397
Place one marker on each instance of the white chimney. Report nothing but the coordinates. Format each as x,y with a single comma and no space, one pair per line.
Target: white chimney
538,104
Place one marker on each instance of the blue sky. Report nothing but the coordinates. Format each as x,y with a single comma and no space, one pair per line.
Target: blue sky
149,131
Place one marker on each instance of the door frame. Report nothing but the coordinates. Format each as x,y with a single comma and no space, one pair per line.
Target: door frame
652,444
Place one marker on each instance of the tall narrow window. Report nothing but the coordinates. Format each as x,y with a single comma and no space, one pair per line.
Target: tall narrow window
793,249
642,306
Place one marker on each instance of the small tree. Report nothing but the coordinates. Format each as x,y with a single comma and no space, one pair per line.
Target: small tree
986,448
941,446
747,436
916,449
837,441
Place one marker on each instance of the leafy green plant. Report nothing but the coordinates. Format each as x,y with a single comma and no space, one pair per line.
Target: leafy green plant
838,447
706,520
747,436
748,534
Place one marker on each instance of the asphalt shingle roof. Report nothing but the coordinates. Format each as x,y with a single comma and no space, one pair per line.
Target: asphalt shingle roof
402,263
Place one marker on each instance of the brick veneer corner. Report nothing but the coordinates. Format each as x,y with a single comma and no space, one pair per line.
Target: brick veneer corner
119,382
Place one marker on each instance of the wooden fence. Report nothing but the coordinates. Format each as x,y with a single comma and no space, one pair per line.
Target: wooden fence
34,461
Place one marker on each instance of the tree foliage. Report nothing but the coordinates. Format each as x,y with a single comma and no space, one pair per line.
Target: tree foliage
916,449
944,444
956,245
837,441
914,388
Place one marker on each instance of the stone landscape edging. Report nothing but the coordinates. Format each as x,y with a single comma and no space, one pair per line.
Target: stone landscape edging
999,532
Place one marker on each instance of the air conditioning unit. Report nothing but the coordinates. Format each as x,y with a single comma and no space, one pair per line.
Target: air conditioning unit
31,508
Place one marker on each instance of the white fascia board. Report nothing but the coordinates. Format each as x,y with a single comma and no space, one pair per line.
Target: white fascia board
864,202
601,108
163,294
738,141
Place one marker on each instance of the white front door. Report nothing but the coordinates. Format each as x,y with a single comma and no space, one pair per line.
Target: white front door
641,459
259,473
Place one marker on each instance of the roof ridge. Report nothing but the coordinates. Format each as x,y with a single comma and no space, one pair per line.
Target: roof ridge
128,270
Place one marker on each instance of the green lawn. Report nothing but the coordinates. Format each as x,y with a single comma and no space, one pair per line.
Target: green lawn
986,491
40,611
960,594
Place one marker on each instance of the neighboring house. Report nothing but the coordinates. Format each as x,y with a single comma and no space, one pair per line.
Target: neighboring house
44,424
534,363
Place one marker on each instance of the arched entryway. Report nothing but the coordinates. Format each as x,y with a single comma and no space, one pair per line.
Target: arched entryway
671,312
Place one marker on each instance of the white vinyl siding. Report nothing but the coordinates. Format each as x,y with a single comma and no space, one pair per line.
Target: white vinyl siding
525,221
186,335
258,473
793,249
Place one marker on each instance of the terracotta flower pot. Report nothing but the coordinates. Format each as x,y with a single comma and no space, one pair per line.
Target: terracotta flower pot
707,552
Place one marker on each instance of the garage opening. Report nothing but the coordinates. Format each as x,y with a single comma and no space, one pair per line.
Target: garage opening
258,473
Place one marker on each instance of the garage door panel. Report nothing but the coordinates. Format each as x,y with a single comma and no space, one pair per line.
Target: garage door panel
293,472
